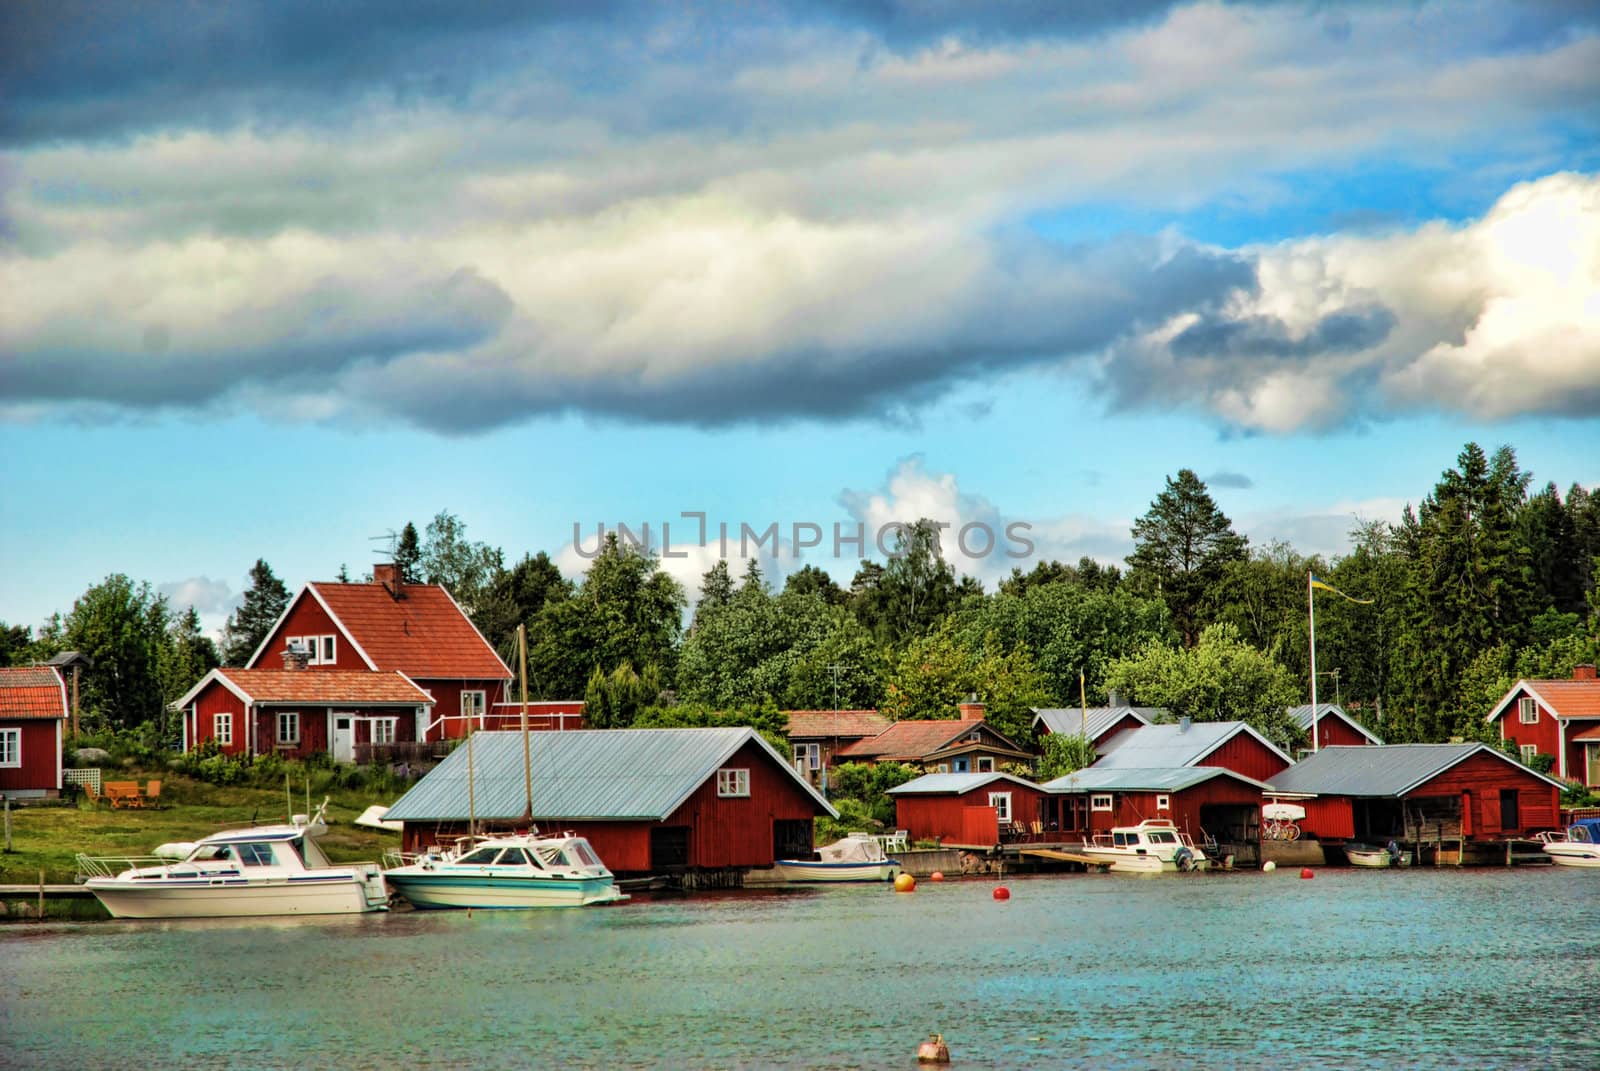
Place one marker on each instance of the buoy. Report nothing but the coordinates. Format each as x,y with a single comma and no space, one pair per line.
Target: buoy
937,875
933,1051
1268,867
1305,872
905,883
1002,893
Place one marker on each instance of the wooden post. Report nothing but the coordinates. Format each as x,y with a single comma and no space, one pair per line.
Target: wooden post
75,671
8,824
41,896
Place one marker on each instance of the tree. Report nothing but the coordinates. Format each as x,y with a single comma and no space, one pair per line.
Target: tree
121,626
186,655
1556,563
15,640
913,592
465,569
408,555
516,596
1087,574
764,717
1181,547
809,580
264,602
1064,753
716,589
937,672
615,700
1221,678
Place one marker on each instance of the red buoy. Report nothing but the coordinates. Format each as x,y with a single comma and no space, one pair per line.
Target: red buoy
933,1051
1305,872
937,875
1002,893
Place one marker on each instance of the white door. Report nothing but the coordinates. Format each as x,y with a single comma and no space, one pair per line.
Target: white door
344,738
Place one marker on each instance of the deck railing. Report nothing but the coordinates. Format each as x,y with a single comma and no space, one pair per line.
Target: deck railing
406,751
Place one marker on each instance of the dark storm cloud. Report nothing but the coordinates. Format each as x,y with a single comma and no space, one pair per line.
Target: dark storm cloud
1345,331
1237,480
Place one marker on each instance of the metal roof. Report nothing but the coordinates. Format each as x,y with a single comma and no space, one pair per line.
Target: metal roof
1070,720
1152,747
1134,779
1301,716
581,774
1384,771
953,783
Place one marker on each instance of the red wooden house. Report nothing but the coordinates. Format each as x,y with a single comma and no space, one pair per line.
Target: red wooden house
970,809
1200,800
1556,718
1101,723
964,745
1334,727
33,709
1231,745
390,627
1419,792
816,736
297,713
651,801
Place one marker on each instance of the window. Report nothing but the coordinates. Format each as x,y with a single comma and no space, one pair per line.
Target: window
1001,802
255,854
1100,803
327,650
10,747
808,756
288,728
472,705
985,764
383,730
1163,803
1528,710
222,729
1529,752
733,782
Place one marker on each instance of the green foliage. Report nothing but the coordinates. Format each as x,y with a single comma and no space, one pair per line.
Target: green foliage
854,816
863,789
467,570
515,597
122,627
1064,753
408,555
264,602
939,671
910,595
15,642
615,700
764,717
1576,794
1181,549
1221,678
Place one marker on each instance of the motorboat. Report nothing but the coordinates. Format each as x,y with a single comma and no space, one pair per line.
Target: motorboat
239,873
519,870
1579,845
1368,855
1151,847
858,857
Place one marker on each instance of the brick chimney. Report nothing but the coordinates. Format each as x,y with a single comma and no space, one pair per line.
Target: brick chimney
971,710
296,657
1584,672
388,574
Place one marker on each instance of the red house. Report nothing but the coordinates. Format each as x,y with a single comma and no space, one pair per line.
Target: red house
816,736
970,809
943,745
33,708
1101,723
1200,800
1420,792
1556,718
1334,727
390,627
1231,745
652,801
297,713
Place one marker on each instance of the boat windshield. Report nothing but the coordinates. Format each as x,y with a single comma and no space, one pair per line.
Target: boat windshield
481,857
1161,836
581,849
255,854
210,853
513,857
553,856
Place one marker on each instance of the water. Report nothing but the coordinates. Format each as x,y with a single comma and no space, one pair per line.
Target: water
1355,969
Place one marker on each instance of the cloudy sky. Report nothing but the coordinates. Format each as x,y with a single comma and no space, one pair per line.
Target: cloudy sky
279,277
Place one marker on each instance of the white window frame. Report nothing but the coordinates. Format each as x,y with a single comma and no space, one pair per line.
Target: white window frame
1001,802
808,756
11,748
1527,706
983,764
222,729
1163,803
733,782
327,650
281,739
474,711
386,728
1529,752
1101,801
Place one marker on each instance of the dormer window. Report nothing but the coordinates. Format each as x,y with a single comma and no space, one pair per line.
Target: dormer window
1528,710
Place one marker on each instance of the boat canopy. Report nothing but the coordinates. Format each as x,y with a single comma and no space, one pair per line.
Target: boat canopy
853,849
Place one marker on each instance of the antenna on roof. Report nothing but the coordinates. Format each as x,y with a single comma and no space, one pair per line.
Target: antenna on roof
391,537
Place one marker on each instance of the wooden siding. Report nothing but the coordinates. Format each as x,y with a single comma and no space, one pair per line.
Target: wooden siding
1244,754
447,704
1334,732
216,699
1328,818
1131,808
1479,780
738,831
1126,722
308,618
40,752
967,818
1543,734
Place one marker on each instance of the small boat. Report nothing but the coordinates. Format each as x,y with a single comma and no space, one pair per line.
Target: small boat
519,870
859,857
1579,845
239,873
1151,847
1370,856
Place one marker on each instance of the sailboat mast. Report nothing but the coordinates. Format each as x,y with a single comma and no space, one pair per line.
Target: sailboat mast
527,758
472,800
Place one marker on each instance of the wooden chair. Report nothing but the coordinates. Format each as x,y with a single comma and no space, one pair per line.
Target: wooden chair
123,794
152,795
90,792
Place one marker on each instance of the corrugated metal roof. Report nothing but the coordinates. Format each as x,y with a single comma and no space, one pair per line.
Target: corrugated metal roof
1069,720
1301,716
583,774
1385,771
938,784
1133,779
1152,747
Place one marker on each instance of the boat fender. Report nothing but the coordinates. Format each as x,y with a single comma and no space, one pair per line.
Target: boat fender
1184,858
1394,852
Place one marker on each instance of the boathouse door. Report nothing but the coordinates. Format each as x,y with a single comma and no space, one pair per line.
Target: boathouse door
344,738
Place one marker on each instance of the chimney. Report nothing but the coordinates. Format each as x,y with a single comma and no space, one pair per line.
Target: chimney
1114,699
1184,723
1584,672
388,574
296,657
971,710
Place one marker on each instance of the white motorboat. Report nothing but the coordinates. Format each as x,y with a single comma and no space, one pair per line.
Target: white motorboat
1579,845
520,870
1153,846
858,857
1369,856
239,873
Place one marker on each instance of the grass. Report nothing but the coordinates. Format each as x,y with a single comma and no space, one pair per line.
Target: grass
48,837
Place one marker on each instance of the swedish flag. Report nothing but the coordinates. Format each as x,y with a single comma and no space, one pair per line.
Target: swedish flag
1329,587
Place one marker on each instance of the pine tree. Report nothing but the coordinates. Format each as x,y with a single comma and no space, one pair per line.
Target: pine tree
1181,547
264,602
408,555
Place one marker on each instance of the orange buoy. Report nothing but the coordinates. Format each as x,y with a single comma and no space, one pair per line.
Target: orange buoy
905,883
933,1051
1002,893
937,875
1305,872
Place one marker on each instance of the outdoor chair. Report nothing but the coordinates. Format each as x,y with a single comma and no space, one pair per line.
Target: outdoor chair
152,794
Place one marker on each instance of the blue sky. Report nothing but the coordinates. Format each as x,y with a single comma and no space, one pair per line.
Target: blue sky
283,277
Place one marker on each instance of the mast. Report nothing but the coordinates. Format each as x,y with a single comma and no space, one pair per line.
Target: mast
1311,602
472,800
527,758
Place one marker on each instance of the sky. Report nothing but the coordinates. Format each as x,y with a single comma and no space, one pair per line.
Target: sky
280,277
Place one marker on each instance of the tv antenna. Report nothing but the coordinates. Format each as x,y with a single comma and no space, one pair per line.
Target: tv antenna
391,538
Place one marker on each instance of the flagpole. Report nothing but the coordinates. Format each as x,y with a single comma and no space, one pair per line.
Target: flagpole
1311,603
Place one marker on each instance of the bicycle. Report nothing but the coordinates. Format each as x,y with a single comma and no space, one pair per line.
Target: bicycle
1278,829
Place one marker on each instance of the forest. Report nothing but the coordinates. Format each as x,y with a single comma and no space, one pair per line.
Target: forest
1486,580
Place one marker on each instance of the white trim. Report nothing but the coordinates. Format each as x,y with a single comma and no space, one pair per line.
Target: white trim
996,799
216,727
1108,807
1335,709
1522,686
1561,750
277,727
218,674
1501,755
1528,752
1525,704
60,761
1164,801
16,749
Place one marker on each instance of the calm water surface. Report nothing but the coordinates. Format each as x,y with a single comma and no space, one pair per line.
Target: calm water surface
1354,969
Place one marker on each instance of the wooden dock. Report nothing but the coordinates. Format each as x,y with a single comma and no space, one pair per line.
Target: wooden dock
49,892
1060,856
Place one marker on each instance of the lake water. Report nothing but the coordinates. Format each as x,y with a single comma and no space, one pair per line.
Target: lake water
1354,969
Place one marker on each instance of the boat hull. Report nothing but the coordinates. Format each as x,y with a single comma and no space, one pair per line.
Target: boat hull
239,898
435,890
1587,855
808,872
1132,863
1375,858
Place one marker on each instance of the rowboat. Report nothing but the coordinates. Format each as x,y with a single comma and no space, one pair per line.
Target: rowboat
858,857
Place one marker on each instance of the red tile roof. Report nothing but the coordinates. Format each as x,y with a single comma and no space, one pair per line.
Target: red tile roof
818,723
1586,735
1569,698
423,635
908,740
31,692
358,687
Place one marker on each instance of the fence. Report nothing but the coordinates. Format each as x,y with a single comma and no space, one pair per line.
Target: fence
82,777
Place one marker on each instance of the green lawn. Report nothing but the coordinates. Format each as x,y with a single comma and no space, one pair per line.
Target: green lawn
48,837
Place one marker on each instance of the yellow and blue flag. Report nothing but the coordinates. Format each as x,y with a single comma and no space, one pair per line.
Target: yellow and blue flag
1329,587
